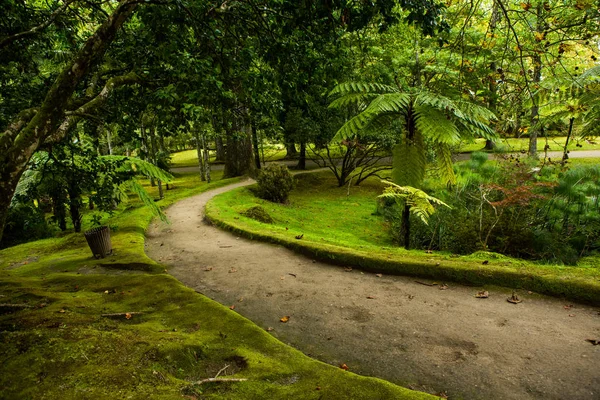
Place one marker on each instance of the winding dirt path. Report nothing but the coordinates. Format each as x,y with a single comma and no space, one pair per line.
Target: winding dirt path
391,327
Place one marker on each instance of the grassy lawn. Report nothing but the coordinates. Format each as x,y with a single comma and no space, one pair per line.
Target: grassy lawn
61,347
516,145
346,232
189,158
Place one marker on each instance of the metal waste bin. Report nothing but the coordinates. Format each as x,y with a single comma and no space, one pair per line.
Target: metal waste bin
99,241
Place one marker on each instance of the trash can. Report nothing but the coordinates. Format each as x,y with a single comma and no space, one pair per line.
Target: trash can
99,241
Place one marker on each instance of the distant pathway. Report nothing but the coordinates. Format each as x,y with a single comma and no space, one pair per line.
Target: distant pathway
391,327
310,164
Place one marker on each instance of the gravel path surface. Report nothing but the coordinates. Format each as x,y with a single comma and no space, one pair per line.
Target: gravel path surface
422,337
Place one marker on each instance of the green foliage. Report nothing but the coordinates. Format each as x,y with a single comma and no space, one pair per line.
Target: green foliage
25,222
275,182
420,203
423,115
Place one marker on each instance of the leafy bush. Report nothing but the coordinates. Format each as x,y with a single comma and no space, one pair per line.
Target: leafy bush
25,222
275,183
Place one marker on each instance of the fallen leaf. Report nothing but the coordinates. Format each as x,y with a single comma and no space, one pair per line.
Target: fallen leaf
411,296
285,319
282,277
347,269
571,315
568,307
232,307
318,388
344,367
208,268
443,286
232,270
106,292
595,342
484,294
270,329
294,275
240,299
128,315
371,297
378,275
514,299
62,311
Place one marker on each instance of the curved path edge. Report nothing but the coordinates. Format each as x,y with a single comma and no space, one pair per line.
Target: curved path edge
391,327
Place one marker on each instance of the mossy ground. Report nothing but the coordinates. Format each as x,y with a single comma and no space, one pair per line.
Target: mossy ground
347,232
63,348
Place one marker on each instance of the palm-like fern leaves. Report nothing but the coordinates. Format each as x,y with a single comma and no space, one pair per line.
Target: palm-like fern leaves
424,115
420,203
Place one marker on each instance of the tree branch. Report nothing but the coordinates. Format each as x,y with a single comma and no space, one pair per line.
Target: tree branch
87,110
9,39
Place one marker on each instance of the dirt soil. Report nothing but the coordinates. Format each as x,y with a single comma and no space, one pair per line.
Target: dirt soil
422,337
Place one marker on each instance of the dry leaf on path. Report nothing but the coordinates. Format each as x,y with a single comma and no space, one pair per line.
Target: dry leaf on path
344,367
514,299
232,270
378,275
595,342
371,297
443,286
484,294
294,275
208,268
269,329
232,307
285,319
128,315
347,269
568,307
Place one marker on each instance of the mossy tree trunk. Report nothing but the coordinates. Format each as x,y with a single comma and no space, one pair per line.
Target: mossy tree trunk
50,122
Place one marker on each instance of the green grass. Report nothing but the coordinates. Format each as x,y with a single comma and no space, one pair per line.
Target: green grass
62,348
345,232
517,145
189,158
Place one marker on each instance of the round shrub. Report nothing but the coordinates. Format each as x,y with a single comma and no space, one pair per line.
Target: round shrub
275,183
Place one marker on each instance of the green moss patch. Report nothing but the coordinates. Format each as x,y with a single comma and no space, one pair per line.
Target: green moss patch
347,232
259,214
121,328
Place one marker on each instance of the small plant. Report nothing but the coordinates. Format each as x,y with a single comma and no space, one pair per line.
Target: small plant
259,214
275,183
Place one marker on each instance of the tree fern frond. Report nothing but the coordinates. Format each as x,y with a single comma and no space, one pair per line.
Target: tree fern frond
346,88
141,167
434,124
148,201
409,162
419,202
353,99
445,167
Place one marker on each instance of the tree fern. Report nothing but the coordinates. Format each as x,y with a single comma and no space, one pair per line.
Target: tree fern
423,114
420,203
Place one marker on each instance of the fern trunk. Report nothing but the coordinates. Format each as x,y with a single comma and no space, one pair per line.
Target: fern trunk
406,226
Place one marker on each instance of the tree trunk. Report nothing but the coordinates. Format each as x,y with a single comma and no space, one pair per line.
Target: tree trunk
32,127
199,153
206,156
238,154
75,204
290,148
537,77
405,233
219,149
255,146
302,159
